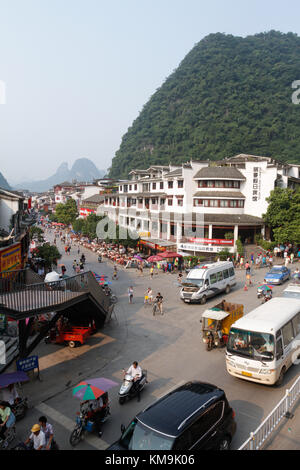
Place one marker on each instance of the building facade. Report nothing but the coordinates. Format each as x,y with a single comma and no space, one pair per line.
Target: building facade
200,205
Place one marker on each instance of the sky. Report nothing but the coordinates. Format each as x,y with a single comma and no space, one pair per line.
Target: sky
77,73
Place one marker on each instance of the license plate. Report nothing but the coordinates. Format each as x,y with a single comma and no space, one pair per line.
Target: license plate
246,374
187,300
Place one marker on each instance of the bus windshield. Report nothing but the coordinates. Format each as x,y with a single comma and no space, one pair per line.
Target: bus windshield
251,344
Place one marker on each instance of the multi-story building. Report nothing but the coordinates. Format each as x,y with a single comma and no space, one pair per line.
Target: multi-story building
195,204
15,220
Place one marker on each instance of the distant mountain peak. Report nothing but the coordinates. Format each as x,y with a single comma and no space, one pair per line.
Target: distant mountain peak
3,183
83,169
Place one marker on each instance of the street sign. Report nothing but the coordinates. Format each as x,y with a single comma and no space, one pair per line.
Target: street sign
27,364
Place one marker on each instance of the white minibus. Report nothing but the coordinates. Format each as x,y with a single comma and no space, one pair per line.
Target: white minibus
208,280
265,343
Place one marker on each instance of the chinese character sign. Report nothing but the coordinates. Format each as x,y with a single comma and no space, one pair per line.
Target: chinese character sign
29,363
256,184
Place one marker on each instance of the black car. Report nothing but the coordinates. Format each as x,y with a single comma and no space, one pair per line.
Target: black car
194,416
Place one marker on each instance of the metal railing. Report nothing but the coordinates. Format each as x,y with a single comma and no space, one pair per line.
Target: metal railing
258,438
22,298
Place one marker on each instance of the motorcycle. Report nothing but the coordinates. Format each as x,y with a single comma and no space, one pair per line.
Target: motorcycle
127,389
85,424
265,297
19,408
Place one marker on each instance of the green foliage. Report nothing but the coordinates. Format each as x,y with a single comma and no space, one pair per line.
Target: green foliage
66,213
283,215
49,253
264,243
53,218
229,95
36,233
87,226
239,247
223,254
229,236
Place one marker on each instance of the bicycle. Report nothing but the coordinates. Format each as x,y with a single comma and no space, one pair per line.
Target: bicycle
157,308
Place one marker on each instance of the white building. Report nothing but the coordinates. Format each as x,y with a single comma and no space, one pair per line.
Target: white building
192,206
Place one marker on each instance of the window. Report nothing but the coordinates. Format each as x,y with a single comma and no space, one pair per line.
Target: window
133,202
213,278
226,274
170,202
198,202
240,203
220,276
206,203
162,202
180,183
130,187
279,349
219,184
121,188
170,184
206,422
153,200
287,334
223,203
161,185
231,272
202,184
180,202
210,184
236,184
214,203
296,324
233,203
135,187
153,185
183,442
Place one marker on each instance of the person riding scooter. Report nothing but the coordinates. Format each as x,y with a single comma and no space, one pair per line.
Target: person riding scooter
136,373
99,259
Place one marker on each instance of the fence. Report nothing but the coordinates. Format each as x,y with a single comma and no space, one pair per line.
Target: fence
259,437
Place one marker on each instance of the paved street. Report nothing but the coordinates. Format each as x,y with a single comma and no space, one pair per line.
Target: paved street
170,347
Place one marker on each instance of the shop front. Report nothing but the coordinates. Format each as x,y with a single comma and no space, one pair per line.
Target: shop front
155,246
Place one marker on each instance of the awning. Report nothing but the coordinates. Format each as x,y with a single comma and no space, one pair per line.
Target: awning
215,314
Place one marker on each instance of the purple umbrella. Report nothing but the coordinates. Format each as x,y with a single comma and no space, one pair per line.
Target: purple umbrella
93,388
12,378
138,257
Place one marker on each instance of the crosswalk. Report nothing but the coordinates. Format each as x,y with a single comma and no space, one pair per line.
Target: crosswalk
68,424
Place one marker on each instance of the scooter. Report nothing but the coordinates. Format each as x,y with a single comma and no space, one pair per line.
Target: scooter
10,435
127,389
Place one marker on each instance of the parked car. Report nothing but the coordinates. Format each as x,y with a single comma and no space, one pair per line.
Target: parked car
195,416
277,275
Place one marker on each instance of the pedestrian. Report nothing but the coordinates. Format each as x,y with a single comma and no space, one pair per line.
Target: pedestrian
151,271
292,257
130,294
159,302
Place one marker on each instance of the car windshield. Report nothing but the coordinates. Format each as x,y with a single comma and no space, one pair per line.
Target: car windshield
196,282
139,437
275,271
252,344
292,295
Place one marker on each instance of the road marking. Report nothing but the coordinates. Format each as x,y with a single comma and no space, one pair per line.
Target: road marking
68,424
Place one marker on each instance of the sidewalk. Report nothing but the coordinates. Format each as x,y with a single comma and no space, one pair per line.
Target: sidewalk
287,437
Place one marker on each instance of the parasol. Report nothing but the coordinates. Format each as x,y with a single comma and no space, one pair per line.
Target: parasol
93,388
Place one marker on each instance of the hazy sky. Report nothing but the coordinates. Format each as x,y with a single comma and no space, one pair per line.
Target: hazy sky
78,72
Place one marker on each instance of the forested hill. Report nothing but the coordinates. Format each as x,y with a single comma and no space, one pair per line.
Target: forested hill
229,95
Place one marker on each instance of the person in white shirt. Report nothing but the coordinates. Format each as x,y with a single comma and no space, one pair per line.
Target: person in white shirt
37,437
136,372
47,429
10,394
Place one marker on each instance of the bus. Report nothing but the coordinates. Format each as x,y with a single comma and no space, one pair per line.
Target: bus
265,343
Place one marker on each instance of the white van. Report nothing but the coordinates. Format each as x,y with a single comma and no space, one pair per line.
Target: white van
208,280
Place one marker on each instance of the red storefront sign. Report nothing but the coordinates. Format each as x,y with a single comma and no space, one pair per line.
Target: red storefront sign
211,241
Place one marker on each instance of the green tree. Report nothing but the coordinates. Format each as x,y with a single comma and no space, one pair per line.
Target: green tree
283,215
49,253
66,213
36,233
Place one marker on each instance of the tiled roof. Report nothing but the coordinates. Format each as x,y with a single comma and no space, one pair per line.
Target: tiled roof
225,172
212,194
